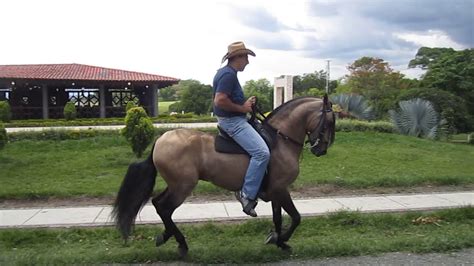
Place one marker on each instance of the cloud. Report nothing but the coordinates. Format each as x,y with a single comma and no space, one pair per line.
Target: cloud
391,30
452,17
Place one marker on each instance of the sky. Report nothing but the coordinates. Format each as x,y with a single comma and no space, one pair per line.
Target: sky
187,39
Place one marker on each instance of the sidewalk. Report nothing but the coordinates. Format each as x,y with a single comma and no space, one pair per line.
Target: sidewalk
112,127
231,210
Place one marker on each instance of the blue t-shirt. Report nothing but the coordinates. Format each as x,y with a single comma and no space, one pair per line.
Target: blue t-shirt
225,81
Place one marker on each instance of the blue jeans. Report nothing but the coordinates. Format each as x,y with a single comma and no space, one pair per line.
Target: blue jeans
243,133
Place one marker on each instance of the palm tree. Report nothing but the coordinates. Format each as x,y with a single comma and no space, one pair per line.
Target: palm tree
353,105
416,117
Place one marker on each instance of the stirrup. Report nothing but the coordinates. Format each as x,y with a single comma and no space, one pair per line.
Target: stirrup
248,205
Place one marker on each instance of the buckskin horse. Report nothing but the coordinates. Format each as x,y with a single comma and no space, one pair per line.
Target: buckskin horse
185,156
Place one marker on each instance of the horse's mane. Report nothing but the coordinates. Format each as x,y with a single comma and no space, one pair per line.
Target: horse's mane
290,105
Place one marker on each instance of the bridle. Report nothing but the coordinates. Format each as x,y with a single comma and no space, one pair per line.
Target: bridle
319,133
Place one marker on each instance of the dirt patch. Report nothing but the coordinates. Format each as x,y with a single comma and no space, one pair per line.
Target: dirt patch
301,193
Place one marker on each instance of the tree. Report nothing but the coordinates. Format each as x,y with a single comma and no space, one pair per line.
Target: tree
130,105
427,56
417,118
352,106
70,112
3,136
452,108
377,82
262,90
5,111
453,72
138,130
169,93
195,97
301,84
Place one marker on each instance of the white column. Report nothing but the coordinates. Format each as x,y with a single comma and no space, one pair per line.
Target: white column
283,90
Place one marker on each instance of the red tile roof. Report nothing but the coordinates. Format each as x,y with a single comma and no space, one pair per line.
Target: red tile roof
75,72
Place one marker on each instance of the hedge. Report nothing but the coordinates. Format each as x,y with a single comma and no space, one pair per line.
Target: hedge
186,118
342,125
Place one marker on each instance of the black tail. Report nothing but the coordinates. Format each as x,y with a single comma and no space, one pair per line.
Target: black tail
134,192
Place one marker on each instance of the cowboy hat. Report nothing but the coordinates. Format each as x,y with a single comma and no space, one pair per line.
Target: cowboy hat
236,48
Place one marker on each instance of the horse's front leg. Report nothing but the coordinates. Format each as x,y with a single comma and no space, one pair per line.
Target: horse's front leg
277,221
284,200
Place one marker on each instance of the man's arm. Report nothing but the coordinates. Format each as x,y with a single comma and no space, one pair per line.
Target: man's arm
222,101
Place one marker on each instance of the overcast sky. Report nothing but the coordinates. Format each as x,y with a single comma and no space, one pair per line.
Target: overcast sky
187,39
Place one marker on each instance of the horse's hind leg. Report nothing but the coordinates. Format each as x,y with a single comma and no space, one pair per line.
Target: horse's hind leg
165,204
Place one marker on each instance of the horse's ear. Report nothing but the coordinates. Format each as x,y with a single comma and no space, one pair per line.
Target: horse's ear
325,99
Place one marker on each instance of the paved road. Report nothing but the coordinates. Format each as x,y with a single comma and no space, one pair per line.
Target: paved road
463,257
112,127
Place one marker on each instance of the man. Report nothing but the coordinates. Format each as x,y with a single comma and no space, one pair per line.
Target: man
231,110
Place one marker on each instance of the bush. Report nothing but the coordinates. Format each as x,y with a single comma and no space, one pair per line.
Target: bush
3,136
176,107
5,111
138,130
349,125
130,105
70,112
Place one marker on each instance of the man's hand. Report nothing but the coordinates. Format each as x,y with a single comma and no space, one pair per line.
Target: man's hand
222,101
249,103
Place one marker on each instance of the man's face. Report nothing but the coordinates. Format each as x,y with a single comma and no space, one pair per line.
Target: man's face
243,61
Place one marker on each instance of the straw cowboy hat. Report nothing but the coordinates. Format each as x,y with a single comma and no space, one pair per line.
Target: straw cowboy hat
236,48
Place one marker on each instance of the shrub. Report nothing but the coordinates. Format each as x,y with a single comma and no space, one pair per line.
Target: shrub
130,105
70,112
176,107
138,130
5,111
3,136
416,118
349,125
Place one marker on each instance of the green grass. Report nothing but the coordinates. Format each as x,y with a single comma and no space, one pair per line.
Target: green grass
96,166
163,106
341,234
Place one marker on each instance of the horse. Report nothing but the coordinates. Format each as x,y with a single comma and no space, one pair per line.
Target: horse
185,156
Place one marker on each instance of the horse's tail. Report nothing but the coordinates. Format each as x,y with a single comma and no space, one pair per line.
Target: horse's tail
134,192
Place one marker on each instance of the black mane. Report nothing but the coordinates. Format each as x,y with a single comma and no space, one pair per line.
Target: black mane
287,106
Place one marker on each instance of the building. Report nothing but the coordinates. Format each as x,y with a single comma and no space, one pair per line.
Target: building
42,91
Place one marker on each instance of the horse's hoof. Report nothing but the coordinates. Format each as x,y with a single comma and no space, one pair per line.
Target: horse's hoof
160,240
284,247
272,238
183,251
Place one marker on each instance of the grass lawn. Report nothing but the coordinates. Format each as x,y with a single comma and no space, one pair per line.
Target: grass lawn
96,166
163,106
340,234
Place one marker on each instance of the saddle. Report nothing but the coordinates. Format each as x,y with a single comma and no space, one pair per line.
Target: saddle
226,144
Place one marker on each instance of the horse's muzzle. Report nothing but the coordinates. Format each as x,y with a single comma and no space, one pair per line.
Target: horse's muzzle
318,151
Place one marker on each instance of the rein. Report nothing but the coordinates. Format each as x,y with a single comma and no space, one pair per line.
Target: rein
256,110
315,134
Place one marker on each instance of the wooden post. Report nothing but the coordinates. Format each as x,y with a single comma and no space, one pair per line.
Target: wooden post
102,100
154,100
44,101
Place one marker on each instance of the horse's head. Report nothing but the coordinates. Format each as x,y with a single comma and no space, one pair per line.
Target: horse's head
323,135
